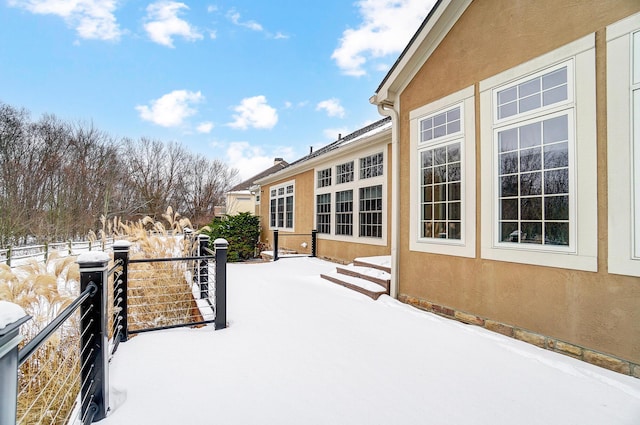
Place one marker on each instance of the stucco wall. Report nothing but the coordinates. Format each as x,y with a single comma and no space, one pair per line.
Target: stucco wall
596,310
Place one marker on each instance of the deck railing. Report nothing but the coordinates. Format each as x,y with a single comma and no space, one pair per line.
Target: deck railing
83,378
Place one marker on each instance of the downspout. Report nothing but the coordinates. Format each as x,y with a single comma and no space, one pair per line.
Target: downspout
388,110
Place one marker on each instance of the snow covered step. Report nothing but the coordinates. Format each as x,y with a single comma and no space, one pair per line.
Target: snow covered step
371,274
363,286
381,262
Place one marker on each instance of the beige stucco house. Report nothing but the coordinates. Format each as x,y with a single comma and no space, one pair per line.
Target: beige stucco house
515,202
341,190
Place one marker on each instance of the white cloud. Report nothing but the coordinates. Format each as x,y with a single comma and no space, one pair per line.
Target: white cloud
163,23
248,160
254,112
205,127
92,19
332,106
280,36
234,17
386,28
212,8
171,109
333,133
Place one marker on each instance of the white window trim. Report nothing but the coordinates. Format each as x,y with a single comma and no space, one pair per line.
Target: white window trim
354,185
623,203
584,253
284,186
466,246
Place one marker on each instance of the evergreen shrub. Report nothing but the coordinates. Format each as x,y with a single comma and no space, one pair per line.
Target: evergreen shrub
242,231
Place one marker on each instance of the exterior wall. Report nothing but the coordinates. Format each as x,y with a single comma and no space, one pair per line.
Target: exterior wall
596,310
237,203
304,218
303,212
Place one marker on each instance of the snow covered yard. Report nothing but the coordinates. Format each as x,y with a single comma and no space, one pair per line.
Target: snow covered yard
301,350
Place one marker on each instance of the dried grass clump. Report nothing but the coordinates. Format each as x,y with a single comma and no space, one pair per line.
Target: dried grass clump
160,294
47,384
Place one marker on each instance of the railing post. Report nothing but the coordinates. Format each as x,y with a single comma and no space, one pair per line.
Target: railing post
203,269
221,246
120,306
9,340
46,251
314,242
275,245
70,247
9,253
93,343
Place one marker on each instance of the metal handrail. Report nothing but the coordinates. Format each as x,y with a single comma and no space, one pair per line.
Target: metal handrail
43,335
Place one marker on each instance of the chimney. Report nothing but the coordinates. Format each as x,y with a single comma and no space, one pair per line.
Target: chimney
277,161
339,136
310,150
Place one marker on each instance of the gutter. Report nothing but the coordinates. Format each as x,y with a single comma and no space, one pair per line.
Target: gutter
387,109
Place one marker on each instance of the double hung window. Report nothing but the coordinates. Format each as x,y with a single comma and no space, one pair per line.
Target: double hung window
539,156
281,205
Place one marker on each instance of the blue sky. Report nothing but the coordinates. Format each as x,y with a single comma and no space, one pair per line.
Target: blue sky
241,81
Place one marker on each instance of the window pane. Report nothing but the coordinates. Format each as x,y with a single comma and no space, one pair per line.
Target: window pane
453,152
509,186
530,135
529,87
509,232
455,230
530,184
440,119
440,156
531,208
556,233
556,156
509,163
530,159
531,232
556,181
427,158
440,174
427,194
507,110
529,103
455,193
453,127
454,211
453,114
440,192
427,176
453,172
507,95
427,212
556,129
508,140
556,208
509,209
440,211
555,78
555,95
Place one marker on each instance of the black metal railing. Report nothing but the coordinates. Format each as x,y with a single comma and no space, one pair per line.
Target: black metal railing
95,319
287,244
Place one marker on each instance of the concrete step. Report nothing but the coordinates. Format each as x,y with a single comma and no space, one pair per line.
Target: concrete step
382,262
366,287
371,274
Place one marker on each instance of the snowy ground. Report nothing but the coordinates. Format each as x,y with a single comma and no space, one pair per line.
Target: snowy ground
301,350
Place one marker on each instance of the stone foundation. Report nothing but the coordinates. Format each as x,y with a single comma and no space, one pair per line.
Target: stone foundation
581,353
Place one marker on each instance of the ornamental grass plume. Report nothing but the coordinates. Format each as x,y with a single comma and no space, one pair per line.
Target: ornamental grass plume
159,294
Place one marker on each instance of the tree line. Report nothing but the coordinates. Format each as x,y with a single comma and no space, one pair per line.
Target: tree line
58,178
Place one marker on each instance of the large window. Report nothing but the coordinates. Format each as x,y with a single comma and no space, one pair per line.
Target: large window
281,206
539,156
323,213
441,196
623,145
344,173
442,170
352,206
371,166
324,177
371,211
344,212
